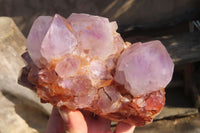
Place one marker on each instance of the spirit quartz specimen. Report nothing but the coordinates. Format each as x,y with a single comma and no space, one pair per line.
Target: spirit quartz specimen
82,63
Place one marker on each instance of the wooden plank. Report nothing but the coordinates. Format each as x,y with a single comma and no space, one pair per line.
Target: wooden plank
183,48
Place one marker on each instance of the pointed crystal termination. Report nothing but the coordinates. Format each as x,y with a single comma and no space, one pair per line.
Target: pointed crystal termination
58,40
144,68
94,34
36,36
50,38
83,63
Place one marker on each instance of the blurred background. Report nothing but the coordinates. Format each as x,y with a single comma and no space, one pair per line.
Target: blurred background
175,22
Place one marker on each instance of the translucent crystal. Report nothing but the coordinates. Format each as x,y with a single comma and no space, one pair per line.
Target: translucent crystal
69,66
35,37
94,34
50,38
144,68
110,99
58,40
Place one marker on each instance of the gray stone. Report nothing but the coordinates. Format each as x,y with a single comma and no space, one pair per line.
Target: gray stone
10,121
168,112
24,108
12,45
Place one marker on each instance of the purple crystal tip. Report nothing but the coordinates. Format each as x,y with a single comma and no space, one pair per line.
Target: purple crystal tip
144,68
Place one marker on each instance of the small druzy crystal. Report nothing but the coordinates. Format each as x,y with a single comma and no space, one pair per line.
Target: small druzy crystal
83,63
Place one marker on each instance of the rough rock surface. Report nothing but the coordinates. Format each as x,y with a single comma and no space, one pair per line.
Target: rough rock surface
12,45
11,122
78,64
19,111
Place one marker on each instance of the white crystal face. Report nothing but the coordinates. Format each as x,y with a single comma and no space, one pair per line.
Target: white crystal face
144,68
69,66
36,36
94,34
58,40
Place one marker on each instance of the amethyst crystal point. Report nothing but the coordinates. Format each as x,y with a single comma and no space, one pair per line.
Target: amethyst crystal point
50,38
35,37
83,63
144,68
58,40
94,34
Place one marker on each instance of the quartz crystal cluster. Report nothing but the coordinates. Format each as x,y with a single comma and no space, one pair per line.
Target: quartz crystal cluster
82,63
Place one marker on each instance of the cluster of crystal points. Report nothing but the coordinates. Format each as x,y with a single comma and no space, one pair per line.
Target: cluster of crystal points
82,63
